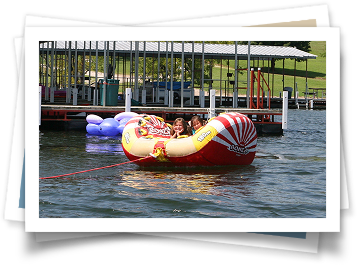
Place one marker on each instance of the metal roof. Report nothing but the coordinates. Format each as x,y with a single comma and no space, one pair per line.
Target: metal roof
215,51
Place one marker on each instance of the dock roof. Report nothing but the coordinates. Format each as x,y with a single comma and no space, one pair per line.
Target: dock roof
152,49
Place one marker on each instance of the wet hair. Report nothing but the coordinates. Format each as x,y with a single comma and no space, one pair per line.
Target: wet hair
186,128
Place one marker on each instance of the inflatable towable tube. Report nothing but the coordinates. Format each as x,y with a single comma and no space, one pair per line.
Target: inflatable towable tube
229,139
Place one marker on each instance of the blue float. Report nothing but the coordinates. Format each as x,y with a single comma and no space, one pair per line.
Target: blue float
109,126
123,118
94,119
93,129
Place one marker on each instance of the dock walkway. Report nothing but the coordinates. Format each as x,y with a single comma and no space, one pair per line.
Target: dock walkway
69,117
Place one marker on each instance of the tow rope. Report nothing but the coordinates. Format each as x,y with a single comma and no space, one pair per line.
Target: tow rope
96,168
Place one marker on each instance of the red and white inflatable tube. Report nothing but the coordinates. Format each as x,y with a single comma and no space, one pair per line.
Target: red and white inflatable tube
229,139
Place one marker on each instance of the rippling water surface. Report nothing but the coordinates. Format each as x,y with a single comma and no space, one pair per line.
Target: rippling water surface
287,179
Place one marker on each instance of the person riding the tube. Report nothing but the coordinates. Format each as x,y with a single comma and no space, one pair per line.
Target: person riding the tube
196,123
180,129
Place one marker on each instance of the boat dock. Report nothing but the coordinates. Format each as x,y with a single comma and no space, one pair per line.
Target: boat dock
78,78
59,116
67,117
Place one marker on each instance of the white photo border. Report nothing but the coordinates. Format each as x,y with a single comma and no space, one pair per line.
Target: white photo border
35,224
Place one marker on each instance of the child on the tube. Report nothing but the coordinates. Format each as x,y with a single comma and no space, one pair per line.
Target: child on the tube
180,129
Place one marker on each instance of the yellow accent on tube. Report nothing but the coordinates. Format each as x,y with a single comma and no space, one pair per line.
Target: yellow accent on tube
201,138
128,139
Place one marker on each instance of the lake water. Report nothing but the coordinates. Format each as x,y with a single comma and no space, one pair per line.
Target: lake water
287,179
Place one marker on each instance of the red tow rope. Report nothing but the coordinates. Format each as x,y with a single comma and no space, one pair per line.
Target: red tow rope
95,168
